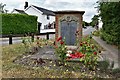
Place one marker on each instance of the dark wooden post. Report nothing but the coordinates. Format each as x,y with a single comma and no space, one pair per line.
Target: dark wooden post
119,55
10,39
47,36
32,37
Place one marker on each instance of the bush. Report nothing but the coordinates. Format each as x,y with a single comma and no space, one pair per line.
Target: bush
18,24
96,33
103,65
117,70
111,39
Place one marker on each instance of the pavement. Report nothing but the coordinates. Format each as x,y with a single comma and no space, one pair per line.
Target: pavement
111,53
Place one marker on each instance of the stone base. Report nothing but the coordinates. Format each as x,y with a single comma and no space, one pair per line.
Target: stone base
72,47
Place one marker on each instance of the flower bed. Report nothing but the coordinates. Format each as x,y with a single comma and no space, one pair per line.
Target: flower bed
86,52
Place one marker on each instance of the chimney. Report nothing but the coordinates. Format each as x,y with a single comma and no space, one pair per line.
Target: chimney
26,5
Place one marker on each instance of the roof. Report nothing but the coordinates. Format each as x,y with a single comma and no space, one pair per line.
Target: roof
69,12
20,11
45,11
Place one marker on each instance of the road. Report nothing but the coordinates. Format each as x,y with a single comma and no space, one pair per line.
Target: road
5,41
88,30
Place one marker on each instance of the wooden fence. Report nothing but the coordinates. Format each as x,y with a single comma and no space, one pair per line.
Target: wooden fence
32,36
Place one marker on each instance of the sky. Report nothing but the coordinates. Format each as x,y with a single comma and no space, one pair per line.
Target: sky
57,5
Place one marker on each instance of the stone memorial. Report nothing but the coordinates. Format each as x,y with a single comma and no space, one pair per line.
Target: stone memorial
68,23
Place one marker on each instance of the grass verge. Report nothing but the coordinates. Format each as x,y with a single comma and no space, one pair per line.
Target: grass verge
10,69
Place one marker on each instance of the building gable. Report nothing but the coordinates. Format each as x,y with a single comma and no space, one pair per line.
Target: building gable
34,9
41,10
45,11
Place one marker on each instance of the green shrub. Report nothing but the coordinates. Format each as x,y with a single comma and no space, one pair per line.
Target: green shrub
103,65
96,33
109,38
117,70
18,24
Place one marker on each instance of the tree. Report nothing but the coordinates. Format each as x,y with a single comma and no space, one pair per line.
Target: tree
94,21
85,24
110,16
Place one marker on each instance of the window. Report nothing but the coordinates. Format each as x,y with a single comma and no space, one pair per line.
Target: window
48,17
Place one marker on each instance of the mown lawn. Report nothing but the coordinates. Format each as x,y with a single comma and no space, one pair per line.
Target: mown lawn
10,69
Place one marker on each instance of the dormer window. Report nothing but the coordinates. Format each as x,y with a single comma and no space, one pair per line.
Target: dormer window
48,17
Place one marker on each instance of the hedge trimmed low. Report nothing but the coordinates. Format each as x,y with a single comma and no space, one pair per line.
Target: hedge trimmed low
18,24
109,38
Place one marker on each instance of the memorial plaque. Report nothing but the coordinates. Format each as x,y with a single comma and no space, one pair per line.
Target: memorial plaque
67,23
68,30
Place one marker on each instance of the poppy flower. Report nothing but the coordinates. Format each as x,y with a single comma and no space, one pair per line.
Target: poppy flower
61,42
76,55
60,38
95,53
79,55
73,56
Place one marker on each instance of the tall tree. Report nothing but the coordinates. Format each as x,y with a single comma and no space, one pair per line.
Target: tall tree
110,15
94,21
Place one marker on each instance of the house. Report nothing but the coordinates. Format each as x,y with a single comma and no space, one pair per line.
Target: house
46,18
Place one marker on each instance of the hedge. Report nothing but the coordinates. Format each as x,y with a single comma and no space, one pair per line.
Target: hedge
111,39
18,24
110,17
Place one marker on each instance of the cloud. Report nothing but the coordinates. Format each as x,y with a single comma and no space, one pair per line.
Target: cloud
80,5
55,5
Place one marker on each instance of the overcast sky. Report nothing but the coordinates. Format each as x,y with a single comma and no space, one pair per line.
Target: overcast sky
56,5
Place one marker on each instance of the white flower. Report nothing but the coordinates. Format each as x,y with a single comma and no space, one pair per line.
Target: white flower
68,55
69,51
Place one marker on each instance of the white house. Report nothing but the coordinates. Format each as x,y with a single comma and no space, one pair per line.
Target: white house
46,18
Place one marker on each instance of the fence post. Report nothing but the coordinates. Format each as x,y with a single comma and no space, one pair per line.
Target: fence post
118,55
47,36
10,39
